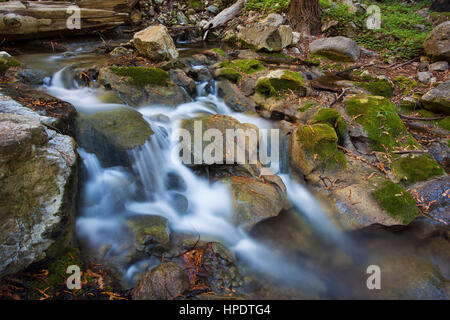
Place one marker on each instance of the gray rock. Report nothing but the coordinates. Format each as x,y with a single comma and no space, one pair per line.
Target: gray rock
439,66
437,44
268,37
213,9
234,98
336,48
38,176
424,77
438,99
273,19
180,78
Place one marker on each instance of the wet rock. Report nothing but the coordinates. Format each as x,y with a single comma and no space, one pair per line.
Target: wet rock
38,176
111,134
437,44
180,78
151,233
155,43
163,282
32,77
336,48
140,86
435,193
438,99
234,98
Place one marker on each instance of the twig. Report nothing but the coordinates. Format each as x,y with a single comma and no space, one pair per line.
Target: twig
420,119
410,151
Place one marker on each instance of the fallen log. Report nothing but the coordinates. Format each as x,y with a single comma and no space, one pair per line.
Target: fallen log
226,15
21,20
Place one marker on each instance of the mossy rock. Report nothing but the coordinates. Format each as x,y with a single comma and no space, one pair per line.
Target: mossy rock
248,66
219,52
379,118
151,232
307,104
320,142
445,123
5,64
333,118
197,5
412,169
110,97
110,134
280,81
378,87
229,74
406,85
142,76
396,201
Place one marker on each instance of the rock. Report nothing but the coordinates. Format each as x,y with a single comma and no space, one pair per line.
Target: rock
151,233
296,36
273,20
433,192
213,9
111,134
38,174
182,19
423,66
120,51
424,77
163,282
141,86
437,44
267,37
180,78
439,66
155,43
32,77
233,97
336,48
438,99
277,82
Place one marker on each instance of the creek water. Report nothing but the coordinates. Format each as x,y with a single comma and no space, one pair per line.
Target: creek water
156,181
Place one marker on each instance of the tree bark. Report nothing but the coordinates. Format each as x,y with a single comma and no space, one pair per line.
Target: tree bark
304,16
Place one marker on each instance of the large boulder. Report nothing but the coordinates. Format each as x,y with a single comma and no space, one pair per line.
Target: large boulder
336,48
155,43
111,134
267,36
438,99
140,86
163,282
437,44
234,97
38,177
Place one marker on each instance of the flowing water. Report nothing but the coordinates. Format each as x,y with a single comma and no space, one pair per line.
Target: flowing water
112,195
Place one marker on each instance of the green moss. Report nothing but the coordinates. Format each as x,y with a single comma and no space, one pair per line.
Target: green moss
197,5
5,64
219,52
320,142
413,169
408,106
396,201
307,104
277,6
249,66
331,55
378,87
445,123
229,74
142,76
276,84
333,118
378,117
405,84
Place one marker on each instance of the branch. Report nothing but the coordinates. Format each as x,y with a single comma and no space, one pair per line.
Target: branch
226,15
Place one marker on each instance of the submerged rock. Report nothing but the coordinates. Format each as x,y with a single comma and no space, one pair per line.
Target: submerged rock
140,86
151,233
38,176
111,134
155,43
336,48
163,282
438,99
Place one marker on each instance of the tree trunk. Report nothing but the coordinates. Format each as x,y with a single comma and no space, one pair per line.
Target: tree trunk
304,16
440,6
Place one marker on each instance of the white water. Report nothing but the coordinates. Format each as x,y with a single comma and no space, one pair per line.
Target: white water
110,193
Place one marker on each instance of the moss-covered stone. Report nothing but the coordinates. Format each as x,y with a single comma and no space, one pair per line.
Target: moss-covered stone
333,118
305,105
412,169
229,74
406,85
378,87
378,117
396,201
219,52
151,232
280,81
249,66
110,97
197,5
320,143
445,123
5,64
142,76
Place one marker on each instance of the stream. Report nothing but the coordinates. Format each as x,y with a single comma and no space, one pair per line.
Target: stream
332,264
